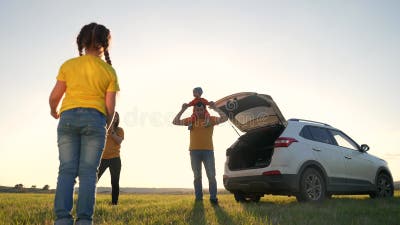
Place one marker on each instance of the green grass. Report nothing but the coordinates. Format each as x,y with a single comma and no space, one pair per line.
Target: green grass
181,209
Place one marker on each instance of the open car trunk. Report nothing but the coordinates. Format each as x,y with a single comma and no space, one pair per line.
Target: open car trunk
254,149
249,111
258,116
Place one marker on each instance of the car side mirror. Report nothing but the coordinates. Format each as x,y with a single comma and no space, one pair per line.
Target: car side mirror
364,147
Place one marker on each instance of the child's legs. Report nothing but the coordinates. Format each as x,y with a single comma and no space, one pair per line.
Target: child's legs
68,138
92,143
115,170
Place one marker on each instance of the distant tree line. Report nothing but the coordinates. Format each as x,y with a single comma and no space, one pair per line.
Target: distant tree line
20,187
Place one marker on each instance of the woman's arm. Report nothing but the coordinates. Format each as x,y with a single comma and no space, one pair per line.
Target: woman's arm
177,120
114,135
55,97
110,106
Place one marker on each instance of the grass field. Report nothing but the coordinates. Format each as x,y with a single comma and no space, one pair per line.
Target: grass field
181,209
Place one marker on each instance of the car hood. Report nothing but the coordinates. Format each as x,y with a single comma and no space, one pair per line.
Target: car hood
249,110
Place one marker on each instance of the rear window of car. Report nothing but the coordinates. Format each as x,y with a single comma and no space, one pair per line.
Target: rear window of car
318,134
305,133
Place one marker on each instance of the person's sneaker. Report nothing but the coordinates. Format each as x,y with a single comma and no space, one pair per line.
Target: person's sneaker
214,201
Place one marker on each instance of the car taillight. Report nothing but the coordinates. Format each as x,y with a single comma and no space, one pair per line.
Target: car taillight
272,173
284,142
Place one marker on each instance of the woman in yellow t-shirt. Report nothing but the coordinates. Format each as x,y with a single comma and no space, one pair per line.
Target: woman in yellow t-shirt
89,87
111,158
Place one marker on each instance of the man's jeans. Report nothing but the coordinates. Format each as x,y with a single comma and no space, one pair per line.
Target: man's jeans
207,158
81,136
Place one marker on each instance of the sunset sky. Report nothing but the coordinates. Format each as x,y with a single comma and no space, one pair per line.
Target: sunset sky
331,61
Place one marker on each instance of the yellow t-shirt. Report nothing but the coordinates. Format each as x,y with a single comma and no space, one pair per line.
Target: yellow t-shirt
112,149
200,135
87,78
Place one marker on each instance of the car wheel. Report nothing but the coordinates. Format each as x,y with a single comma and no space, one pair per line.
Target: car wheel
384,187
239,197
328,196
255,198
312,186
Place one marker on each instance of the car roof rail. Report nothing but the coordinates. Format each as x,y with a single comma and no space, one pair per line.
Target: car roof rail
309,121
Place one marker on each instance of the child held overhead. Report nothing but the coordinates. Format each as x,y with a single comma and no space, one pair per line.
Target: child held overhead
197,92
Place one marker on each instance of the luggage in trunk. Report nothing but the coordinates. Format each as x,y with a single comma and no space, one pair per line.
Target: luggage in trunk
254,149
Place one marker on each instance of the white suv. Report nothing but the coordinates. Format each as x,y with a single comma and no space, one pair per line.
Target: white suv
307,159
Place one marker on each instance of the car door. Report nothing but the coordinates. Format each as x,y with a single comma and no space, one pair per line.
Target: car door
249,110
327,154
359,166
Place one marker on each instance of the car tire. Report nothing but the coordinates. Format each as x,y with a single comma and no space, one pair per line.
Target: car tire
328,196
255,198
384,187
312,186
239,197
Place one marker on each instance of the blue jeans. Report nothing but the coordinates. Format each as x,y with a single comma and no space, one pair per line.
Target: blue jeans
81,136
207,158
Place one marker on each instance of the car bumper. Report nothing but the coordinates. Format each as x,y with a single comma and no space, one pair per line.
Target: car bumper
284,184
